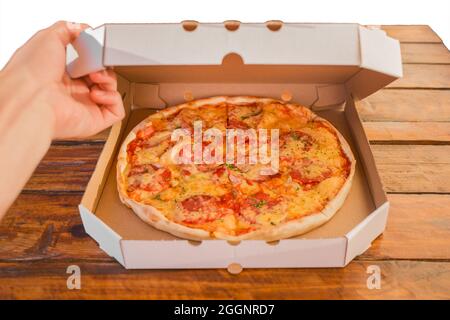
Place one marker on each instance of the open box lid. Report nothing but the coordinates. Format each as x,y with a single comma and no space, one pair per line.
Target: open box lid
358,60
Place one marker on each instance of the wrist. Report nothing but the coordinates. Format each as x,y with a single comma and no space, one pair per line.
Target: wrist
20,80
23,98
25,135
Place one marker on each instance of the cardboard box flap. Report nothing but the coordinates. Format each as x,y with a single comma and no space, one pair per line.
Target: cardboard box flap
209,43
85,55
361,237
344,54
106,237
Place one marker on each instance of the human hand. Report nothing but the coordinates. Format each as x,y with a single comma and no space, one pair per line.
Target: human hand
78,107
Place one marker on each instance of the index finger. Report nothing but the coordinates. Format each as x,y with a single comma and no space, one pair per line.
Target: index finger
105,79
67,31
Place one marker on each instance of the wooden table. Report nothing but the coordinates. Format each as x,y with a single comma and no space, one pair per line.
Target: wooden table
408,125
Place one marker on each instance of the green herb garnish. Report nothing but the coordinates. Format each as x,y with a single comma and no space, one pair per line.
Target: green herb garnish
295,136
158,197
259,204
231,166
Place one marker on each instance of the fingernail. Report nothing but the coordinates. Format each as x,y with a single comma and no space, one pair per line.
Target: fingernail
73,26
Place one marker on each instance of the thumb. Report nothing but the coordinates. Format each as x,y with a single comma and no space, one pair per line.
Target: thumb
67,31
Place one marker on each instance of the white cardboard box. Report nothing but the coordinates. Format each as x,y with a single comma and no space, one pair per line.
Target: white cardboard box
328,67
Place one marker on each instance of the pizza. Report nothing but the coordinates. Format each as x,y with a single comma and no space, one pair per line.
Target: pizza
304,179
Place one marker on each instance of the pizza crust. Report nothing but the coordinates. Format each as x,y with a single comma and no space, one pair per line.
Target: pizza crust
156,218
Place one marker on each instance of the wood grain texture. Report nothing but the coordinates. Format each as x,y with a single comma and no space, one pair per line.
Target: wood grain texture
425,53
408,132
414,168
65,168
406,105
48,228
400,279
385,105
399,166
42,227
430,76
416,33
418,228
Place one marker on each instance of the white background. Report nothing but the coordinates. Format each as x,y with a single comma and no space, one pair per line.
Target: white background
20,19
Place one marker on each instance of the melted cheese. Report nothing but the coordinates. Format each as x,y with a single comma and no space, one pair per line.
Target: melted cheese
151,155
249,189
322,155
211,116
329,187
272,216
201,184
276,116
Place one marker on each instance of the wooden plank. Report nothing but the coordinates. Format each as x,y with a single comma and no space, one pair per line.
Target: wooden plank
65,168
418,228
412,33
399,279
101,136
48,228
42,227
432,76
414,168
425,53
406,105
408,132
384,105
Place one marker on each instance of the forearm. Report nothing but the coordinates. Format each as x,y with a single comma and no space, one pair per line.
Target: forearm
26,124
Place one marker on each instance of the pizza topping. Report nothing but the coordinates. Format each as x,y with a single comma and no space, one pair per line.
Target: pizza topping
229,201
277,115
156,138
308,181
141,169
295,143
249,175
145,133
310,171
204,208
185,172
252,114
207,167
211,116
262,199
235,198
197,202
237,124
148,155
244,116
220,171
258,208
153,181
306,139
157,182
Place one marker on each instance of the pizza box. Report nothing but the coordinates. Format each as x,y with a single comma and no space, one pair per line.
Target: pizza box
327,67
